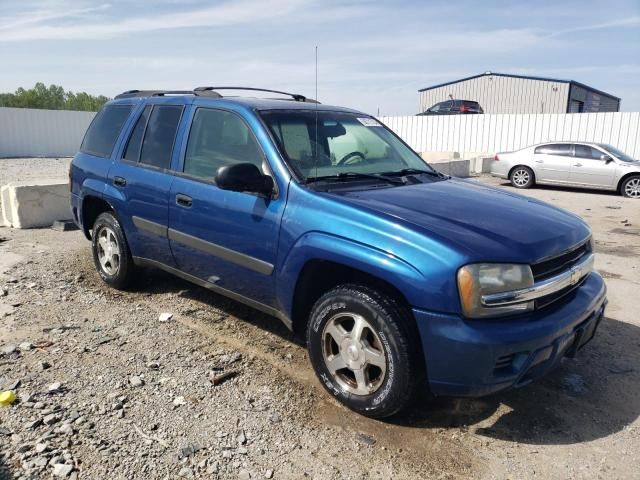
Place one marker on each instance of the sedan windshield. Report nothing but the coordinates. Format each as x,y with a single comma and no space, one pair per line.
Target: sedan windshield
321,144
619,154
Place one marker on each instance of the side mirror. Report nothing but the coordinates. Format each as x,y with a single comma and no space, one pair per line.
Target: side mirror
606,158
244,177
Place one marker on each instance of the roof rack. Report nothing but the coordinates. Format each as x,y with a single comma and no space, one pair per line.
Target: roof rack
295,96
152,93
209,92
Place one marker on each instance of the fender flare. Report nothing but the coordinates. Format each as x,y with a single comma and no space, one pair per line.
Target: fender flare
315,246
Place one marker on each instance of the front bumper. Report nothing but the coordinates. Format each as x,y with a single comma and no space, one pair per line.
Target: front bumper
478,357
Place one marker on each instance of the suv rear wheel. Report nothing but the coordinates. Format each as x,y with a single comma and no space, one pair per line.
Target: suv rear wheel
110,251
361,350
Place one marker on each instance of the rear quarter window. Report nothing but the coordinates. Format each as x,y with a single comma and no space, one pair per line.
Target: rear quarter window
103,132
562,149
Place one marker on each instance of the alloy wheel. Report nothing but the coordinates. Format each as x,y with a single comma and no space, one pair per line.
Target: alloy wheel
632,188
353,354
108,251
521,177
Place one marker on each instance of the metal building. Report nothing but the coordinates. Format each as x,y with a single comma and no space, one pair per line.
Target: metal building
504,93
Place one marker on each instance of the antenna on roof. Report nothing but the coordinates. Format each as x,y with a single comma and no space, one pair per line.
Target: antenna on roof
315,160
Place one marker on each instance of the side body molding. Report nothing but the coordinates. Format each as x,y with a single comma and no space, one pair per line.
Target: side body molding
227,254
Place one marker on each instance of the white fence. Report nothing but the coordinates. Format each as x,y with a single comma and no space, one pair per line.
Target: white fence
57,133
26,132
488,134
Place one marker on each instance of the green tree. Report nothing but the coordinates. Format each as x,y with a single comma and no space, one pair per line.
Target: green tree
52,98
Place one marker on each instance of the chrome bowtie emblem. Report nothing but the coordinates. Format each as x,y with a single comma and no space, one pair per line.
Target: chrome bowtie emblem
576,275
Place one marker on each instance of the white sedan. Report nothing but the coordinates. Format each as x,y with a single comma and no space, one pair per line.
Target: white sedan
573,164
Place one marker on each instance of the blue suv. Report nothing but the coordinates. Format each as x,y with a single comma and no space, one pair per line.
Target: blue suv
399,277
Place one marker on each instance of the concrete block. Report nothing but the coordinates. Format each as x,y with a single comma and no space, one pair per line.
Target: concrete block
455,168
34,203
440,156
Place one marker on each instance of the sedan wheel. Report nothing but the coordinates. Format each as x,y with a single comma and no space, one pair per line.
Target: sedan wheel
631,187
522,177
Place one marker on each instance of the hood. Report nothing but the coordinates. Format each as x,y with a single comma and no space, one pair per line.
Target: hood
483,222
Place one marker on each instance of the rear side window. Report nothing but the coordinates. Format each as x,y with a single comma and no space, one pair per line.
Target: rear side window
132,153
103,132
160,135
563,149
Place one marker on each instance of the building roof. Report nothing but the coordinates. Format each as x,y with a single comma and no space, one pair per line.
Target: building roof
545,79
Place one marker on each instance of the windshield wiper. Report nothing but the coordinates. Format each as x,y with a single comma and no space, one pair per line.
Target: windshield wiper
416,171
348,175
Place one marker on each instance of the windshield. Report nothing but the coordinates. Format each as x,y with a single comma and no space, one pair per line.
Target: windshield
339,143
619,154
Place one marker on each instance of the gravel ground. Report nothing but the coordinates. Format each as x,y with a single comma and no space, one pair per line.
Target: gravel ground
19,169
108,390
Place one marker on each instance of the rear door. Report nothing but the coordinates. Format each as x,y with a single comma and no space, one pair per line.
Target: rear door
552,162
589,169
228,239
143,179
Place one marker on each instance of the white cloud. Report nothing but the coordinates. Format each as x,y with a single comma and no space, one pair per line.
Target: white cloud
633,21
227,14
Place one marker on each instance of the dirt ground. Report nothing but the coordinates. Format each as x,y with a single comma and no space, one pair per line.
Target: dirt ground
136,397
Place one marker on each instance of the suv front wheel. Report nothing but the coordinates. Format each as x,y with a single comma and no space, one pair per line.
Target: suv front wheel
361,350
110,251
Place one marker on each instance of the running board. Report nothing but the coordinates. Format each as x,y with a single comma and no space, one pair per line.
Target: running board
147,262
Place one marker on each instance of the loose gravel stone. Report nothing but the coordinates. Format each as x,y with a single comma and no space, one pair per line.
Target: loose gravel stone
62,470
136,381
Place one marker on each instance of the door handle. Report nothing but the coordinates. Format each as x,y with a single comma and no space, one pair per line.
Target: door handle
119,181
184,200
577,164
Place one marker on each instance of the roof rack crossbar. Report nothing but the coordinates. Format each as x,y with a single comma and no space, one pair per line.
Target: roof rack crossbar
296,96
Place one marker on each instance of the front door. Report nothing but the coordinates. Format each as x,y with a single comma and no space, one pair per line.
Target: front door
225,238
143,180
589,169
552,162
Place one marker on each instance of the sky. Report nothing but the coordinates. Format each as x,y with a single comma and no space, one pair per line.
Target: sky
372,55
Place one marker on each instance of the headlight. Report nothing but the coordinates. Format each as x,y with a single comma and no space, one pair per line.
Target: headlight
480,279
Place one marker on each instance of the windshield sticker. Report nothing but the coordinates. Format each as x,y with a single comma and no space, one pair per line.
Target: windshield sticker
369,122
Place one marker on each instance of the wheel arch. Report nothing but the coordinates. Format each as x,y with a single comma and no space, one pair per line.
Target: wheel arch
92,206
522,165
624,178
318,276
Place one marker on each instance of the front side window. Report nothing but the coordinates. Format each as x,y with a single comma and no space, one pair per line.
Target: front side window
324,144
160,135
561,149
218,138
585,151
104,130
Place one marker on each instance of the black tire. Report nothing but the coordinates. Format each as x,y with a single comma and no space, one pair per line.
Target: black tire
522,177
630,188
117,276
392,327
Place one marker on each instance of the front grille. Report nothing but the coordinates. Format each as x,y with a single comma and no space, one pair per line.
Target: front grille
553,266
549,299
